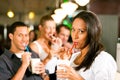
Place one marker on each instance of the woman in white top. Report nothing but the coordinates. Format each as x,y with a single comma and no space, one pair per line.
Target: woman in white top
92,62
42,46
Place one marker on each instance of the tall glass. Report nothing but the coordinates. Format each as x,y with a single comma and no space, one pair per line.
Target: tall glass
59,62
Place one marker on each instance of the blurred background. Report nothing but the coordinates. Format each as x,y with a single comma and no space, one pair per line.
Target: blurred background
30,12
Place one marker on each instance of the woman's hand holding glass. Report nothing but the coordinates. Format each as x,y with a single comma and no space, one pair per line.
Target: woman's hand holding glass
68,73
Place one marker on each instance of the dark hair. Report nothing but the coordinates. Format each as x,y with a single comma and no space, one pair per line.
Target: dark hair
45,18
35,34
16,24
93,37
60,26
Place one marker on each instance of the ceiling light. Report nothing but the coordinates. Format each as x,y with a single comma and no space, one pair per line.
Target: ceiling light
31,15
57,18
82,2
69,7
60,12
10,14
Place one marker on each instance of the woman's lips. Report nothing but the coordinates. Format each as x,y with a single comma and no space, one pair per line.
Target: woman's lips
75,43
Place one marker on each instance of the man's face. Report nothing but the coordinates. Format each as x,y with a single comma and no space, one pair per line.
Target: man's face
64,34
20,38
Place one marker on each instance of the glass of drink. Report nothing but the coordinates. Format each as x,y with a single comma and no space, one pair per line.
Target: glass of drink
33,64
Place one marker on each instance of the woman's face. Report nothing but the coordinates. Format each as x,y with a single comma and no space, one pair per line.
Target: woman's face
31,35
79,33
48,29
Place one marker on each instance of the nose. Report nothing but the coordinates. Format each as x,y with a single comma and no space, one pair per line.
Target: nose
76,35
25,38
52,31
66,38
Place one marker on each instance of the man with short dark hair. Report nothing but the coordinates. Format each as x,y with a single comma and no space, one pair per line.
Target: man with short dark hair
15,62
63,32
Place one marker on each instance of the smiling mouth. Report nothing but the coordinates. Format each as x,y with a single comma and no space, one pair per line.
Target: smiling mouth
24,44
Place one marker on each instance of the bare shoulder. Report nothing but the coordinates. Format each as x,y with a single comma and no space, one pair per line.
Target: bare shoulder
33,46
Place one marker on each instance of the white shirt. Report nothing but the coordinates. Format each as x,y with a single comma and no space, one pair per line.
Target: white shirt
42,53
103,68
51,64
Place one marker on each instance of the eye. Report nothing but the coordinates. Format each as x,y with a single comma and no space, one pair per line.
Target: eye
81,31
20,35
73,30
26,35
